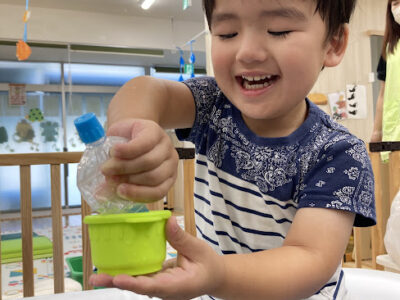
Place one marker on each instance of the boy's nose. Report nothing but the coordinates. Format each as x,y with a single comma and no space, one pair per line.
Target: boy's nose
251,51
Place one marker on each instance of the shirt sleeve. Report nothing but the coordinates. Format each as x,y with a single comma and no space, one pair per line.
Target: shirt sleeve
205,92
342,179
381,69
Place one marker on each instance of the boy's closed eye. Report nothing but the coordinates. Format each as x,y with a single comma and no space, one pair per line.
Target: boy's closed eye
279,33
227,36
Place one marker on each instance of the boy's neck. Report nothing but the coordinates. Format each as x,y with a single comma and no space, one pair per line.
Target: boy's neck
281,127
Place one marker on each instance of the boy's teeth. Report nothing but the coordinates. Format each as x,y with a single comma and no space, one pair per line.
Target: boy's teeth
256,78
256,82
249,86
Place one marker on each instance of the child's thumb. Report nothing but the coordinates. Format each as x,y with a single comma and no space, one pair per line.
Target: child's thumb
180,240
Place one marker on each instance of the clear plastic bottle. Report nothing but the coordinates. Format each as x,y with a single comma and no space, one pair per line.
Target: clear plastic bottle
97,192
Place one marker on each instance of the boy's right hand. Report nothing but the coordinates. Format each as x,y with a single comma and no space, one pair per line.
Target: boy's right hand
145,168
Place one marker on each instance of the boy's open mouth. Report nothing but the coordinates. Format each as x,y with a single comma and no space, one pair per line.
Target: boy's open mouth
256,82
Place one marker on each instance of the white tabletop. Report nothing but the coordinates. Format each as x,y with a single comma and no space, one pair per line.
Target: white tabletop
100,294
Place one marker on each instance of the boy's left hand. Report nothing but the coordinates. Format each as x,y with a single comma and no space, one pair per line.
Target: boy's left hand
198,270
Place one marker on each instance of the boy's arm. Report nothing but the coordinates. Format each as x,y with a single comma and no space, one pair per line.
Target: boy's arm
145,168
308,258
377,132
170,104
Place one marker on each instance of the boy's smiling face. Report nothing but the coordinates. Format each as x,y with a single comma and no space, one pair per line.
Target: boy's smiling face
267,55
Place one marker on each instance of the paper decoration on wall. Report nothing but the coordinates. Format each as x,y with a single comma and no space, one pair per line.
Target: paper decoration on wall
337,104
24,133
49,131
35,114
23,49
356,96
4,139
16,94
75,141
318,98
3,135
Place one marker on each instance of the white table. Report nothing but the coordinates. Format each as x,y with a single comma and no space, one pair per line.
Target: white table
100,294
365,284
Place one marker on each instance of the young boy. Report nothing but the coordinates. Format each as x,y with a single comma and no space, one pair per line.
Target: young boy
278,184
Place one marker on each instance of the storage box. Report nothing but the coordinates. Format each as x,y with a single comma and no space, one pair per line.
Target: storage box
75,266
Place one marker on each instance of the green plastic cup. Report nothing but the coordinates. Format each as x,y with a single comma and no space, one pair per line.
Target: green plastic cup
133,243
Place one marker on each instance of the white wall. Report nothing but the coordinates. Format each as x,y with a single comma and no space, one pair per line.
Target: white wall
64,26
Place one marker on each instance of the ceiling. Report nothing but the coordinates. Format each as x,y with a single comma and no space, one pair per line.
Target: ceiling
160,9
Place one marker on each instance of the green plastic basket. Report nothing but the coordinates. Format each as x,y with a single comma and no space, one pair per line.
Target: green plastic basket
75,266
132,244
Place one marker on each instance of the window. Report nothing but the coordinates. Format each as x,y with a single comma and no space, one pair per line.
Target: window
38,125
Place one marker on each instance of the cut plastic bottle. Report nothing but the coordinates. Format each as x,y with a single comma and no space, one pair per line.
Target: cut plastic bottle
100,194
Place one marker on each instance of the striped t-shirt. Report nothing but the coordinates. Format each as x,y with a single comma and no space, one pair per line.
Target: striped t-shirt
248,188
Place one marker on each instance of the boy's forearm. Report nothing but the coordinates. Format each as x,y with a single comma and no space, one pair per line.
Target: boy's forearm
138,98
289,272
168,103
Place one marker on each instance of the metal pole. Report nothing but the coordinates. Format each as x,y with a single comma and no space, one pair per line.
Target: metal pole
64,125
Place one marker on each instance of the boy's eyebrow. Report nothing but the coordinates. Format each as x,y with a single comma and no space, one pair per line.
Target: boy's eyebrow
284,12
220,17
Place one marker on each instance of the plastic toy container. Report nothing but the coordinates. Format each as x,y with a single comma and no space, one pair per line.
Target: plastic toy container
132,244
75,266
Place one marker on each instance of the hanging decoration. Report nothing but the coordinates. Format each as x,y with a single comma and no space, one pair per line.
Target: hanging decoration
23,49
186,4
192,60
181,64
187,68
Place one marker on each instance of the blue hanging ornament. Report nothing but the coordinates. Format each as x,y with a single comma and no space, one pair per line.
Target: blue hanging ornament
181,64
192,58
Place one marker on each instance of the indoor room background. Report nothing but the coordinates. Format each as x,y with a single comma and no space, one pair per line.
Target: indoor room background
83,51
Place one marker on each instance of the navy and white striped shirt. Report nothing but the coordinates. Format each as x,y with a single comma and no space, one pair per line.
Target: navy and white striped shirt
248,188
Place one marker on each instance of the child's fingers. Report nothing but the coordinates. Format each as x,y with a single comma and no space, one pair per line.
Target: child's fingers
122,128
142,141
186,244
143,285
152,177
145,193
140,164
102,280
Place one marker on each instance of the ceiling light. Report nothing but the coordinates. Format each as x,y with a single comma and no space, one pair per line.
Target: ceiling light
147,3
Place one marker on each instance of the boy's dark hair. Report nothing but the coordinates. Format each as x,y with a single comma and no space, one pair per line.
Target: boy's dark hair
335,13
392,32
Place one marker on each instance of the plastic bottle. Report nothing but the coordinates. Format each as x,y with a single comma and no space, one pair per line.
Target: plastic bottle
99,194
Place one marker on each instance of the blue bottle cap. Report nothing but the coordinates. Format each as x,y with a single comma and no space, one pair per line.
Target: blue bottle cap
89,128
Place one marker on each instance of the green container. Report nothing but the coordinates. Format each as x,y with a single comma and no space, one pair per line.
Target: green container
132,244
75,266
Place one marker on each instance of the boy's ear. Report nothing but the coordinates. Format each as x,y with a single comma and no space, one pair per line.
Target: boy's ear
336,48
